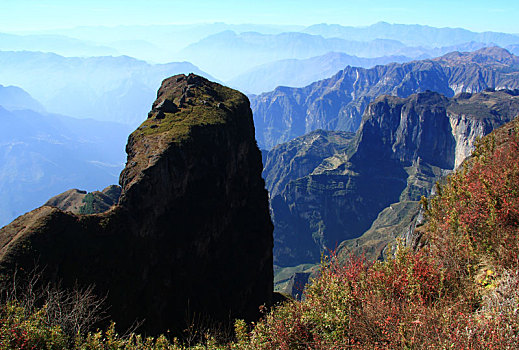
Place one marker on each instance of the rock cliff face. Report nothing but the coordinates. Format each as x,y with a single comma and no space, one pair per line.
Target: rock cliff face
338,103
403,146
190,239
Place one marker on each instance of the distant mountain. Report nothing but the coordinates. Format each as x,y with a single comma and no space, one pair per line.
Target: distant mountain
412,35
513,49
337,103
59,44
43,155
14,98
160,43
246,50
117,89
298,73
327,187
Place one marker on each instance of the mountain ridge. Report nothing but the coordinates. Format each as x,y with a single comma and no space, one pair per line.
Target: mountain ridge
413,34
337,103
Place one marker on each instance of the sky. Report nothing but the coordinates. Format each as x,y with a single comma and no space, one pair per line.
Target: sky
476,15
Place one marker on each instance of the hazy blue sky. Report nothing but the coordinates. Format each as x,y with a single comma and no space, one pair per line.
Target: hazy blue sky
477,15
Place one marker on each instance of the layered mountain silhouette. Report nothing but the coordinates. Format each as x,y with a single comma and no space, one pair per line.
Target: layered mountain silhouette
246,50
412,35
119,89
44,154
15,98
59,44
338,103
298,73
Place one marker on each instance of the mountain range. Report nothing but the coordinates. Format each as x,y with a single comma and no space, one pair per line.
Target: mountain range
299,73
243,51
337,103
119,89
59,44
412,34
44,154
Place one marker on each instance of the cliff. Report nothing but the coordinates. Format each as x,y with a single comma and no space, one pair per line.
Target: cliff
372,181
190,239
338,103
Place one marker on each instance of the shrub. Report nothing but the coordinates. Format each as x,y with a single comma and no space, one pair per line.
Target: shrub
459,291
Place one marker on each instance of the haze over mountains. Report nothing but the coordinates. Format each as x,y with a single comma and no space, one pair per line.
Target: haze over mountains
59,44
43,154
14,98
412,35
247,46
119,89
299,73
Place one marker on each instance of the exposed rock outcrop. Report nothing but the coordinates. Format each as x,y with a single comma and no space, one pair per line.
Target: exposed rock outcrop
190,239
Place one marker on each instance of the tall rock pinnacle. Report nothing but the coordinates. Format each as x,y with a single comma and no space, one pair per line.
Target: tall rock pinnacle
191,236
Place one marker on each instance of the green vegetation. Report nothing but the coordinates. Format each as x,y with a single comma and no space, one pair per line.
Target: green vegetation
88,207
206,105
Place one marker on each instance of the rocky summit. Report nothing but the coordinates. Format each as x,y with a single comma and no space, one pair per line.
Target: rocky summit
190,240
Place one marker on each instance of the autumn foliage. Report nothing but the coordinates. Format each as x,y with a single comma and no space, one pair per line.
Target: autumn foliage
459,291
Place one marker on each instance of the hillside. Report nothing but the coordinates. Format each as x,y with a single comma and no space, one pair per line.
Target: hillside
337,103
458,290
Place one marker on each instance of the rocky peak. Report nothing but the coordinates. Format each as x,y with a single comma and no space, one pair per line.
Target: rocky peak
494,55
191,236
407,129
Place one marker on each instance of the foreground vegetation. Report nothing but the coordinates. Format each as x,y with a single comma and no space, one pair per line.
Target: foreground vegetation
460,290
